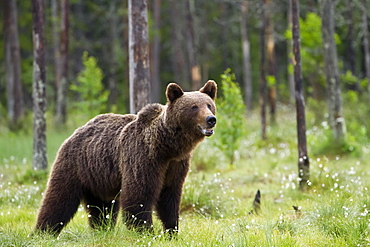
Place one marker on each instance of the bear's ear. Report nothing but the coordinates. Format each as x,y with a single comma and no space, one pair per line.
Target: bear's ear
173,92
210,88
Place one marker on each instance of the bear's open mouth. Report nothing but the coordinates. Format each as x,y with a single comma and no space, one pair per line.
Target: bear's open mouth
206,131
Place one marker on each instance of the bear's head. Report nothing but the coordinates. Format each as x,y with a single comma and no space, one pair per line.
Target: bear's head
193,112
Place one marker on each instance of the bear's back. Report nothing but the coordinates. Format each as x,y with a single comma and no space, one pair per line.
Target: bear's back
92,139
104,127
91,150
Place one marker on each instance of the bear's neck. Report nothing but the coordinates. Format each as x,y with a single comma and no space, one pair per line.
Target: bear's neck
178,142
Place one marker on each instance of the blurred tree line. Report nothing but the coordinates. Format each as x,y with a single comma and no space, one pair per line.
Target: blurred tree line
190,41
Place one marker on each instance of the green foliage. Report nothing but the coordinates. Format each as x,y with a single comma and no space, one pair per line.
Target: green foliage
364,82
352,96
216,201
310,32
93,96
320,137
32,176
206,162
343,218
209,196
311,50
271,80
349,79
311,47
230,128
324,143
3,113
357,121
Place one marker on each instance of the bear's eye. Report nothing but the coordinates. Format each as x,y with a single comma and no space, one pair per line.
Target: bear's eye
195,107
209,106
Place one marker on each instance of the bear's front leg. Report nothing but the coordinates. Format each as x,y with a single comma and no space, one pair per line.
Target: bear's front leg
138,218
168,205
168,208
138,197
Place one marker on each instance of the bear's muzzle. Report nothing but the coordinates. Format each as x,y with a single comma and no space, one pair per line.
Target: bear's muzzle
211,122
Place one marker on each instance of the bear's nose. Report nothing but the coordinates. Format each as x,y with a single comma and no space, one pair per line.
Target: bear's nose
211,121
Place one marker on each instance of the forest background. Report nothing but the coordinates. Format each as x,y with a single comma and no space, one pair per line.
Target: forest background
202,36
190,42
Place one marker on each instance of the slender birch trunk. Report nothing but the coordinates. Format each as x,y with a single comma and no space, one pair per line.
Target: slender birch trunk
39,89
303,160
139,69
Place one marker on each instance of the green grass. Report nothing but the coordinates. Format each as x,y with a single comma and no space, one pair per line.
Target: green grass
217,197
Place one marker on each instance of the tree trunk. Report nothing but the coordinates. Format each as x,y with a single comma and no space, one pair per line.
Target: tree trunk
303,160
61,108
179,65
112,81
138,55
14,94
39,89
246,56
350,48
191,42
336,117
366,45
225,34
126,69
55,30
204,39
263,83
269,28
156,49
289,55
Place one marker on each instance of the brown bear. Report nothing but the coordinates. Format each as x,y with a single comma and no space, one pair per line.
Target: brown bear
134,162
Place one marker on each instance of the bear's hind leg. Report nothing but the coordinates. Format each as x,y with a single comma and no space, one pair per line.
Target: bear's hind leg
102,214
58,207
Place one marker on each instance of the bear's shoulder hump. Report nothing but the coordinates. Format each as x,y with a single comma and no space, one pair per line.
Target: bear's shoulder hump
150,112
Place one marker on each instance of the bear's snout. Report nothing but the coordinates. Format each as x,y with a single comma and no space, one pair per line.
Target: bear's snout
211,121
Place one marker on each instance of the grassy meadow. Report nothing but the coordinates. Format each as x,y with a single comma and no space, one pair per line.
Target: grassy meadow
218,197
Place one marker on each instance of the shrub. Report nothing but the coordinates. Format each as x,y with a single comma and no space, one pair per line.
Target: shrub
93,97
231,117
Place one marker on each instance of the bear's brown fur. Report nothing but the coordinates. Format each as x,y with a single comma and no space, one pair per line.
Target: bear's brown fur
134,162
